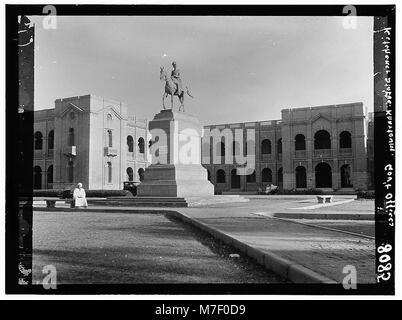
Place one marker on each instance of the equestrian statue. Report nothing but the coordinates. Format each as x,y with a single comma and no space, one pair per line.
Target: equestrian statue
173,86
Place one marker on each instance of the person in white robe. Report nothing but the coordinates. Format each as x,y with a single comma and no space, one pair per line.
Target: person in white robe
80,196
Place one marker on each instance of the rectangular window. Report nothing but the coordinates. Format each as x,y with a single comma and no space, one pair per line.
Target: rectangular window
109,172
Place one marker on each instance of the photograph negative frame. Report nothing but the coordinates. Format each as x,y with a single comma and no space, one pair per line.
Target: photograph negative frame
20,143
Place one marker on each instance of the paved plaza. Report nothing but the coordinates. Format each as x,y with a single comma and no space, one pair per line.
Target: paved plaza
135,244
99,247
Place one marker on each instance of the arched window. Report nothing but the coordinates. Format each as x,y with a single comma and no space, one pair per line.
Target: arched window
301,177
38,140
266,146
130,143
110,138
37,177
109,172
141,172
220,176
141,145
322,140
346,176
71,137
70,172
279,148
130,176
323,175
50,140
266,175
300,142
251,177
50,174
345,140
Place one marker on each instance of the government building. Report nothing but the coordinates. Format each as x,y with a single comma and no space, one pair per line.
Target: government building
91,140
95,141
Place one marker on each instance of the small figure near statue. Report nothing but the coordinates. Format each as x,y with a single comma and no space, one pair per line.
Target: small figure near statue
79,197
173,86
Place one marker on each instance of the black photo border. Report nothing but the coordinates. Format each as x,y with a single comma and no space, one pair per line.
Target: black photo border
19,137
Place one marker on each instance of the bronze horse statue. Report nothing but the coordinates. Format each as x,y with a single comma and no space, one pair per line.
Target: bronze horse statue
170,89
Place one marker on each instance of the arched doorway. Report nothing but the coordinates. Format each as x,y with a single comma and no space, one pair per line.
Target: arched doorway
323,175
251,178
346,173
220,176
280,178
266,175
234,179
50,174
301,178
37,177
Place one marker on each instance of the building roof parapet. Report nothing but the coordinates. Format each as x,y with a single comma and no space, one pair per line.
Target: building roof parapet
44,114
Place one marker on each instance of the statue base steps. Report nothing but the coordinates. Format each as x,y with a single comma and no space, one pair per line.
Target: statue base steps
168,201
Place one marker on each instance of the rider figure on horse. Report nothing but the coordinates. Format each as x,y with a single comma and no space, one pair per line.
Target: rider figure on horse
175,76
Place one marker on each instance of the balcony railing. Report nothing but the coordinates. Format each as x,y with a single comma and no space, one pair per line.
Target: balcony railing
300,154
345,152
70,151
110,152
266,157
322,153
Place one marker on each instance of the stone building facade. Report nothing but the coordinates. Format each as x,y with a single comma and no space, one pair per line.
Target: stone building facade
93,140
324,147
88,139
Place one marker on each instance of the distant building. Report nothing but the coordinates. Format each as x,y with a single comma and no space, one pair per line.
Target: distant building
93,140
325,147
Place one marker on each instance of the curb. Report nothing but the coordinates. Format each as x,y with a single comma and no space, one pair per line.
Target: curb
114,210
289,270
324,216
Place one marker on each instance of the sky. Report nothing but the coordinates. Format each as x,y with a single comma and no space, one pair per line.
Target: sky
237,68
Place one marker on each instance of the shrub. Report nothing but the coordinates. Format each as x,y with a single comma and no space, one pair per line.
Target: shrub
365,194
48,193
301,192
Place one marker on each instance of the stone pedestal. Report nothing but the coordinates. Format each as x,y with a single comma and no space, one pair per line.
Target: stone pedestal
176,169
